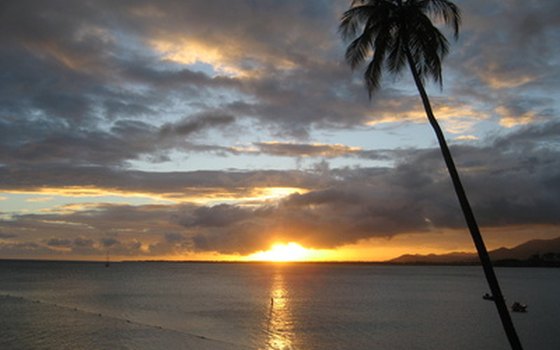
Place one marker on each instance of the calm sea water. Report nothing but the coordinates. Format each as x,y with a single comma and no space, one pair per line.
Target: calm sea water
62,305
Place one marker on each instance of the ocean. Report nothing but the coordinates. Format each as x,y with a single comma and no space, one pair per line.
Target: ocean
162,305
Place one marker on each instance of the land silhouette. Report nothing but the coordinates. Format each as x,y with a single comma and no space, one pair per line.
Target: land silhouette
537,252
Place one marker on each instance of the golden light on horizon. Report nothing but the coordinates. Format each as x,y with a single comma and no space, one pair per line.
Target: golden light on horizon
285,252
368,250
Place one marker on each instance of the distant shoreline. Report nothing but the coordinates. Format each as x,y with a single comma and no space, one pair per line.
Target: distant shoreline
498,263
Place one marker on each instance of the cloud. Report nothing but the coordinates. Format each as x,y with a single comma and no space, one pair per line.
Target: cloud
414,197
109,242
84,80
98,181
56,242
97,105
305,150
512,181
524,111
506,57
126,140
196,124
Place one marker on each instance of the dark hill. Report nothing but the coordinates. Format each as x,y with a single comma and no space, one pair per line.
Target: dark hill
537,249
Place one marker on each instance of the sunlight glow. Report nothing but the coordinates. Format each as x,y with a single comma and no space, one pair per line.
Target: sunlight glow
189,52
457,119
279,325
267,193
509,119
281,252
246,197
503,81
211,196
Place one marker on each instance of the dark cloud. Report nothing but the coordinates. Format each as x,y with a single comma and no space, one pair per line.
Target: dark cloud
56,242
53,142
507,188
24,249
109,242
507,57
77,68
77,244
196,123
187,184
173,237
83,242
512,181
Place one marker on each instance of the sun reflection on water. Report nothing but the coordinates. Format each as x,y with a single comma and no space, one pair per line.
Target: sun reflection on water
280,326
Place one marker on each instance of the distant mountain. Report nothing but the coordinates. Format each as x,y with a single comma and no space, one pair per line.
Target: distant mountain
450,258
538,249
528,250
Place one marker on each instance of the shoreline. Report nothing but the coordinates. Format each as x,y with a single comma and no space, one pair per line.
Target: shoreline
497,263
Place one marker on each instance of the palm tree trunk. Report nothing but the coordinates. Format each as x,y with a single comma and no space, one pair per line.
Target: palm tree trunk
468,213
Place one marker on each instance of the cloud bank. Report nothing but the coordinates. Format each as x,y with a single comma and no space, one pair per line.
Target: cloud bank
182,102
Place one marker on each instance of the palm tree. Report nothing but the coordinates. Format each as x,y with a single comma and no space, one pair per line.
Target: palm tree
396,33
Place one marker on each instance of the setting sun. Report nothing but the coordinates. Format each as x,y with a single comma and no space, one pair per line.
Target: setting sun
282,252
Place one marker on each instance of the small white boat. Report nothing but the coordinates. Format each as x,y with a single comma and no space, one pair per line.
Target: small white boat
518,307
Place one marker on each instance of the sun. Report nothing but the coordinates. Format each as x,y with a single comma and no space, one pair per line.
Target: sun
283,252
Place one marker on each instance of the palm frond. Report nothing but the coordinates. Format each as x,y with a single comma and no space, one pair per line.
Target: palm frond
428,47
374,71
385,31
396,59
444,10
358,50
352,19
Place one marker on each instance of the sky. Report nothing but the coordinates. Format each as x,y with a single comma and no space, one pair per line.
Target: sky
216,129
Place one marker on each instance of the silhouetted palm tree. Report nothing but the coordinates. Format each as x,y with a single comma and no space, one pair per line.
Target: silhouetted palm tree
397,33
